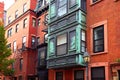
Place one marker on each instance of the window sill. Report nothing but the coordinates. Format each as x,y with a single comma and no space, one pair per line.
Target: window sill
99,53
93,3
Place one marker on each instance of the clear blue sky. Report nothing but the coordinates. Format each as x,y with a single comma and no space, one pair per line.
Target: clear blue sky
8,3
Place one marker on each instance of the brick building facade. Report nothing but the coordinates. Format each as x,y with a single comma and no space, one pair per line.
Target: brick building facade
103,39
21,35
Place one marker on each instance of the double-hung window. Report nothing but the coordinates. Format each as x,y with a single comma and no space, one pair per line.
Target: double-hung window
25,7
14,46
42,57
62,7
33,22
39,21
72,3
21,63
59,75
16,14
62,44
23,42
83,41
98,73
78,75
72,40
16,28
9,33
25,23
98,39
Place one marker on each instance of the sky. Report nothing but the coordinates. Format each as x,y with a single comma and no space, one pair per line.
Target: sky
8,3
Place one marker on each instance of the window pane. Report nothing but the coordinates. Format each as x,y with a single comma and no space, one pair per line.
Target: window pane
33,22
24,7
72,39
42,54
83,46
38,22
53,10
94,1
62,2
17,26
98,38
99,32
62,49
79,75
83,35
24,39
52,46
98,73
21,64
59,75
99,48
83,5
72,2
62,10
14,46
25,23
62,39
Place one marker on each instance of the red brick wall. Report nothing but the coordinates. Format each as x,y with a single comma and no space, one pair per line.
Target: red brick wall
110,11
1,10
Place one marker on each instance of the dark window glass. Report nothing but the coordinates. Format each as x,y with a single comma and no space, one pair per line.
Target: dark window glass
33,22
16,14
62,44
98,73
42,57
62,7
46,18
98,38
9,45
25,23
79,75
21,64
94,1
20,78
83,5
38,40
17,27
59,75
13,66
72,39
